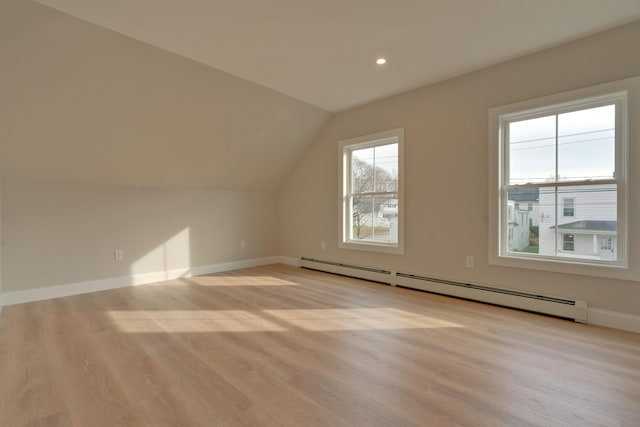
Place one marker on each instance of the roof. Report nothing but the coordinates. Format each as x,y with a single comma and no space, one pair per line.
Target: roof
524,194
590,225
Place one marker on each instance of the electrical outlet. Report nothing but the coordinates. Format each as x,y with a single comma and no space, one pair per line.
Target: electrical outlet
118,255
323,245
469,260
242,244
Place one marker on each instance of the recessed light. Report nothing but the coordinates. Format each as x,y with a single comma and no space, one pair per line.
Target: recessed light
381,61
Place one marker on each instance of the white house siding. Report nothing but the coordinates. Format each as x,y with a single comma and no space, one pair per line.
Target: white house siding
583,244
534,213
517,227
591,203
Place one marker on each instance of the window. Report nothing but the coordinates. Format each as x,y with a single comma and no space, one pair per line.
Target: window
567,242
566,155
568,206
371,191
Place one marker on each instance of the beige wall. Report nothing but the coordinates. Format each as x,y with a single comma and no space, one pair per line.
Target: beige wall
1,238
82,104
108,143
446,171
58,234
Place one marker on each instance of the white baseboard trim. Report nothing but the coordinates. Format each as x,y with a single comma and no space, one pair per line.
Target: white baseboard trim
613,319
595,316
39,294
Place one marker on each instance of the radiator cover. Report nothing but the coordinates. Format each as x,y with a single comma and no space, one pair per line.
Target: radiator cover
546,304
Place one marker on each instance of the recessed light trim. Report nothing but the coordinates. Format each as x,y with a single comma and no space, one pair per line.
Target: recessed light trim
381,61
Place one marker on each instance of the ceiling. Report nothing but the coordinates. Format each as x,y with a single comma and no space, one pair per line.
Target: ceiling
323,52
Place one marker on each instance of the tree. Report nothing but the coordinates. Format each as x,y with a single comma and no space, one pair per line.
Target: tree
365,180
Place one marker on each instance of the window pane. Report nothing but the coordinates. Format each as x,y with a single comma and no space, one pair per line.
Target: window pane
586,144
532,150
568,242
386,168
386,219
362,162
568,206
375,219
362,218
523,220
583,217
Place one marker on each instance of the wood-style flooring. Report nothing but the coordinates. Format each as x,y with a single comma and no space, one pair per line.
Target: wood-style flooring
282,346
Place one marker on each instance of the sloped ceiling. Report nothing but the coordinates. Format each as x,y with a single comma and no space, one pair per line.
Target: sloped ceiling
322,52
252,83
82,104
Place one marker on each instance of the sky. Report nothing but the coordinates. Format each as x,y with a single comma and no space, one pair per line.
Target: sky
585,145
386,156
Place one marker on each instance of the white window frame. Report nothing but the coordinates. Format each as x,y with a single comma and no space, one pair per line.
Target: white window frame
566,240
344,149
564,201
628,93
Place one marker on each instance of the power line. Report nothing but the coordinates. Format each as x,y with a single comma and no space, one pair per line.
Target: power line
561,136
560,143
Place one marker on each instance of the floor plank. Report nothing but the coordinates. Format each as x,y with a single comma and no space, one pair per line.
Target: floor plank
282,346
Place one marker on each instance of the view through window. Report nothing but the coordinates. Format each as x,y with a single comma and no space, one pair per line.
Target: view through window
560,182
371,214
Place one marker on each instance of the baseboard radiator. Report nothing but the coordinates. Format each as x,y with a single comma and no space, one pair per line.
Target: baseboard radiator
560,307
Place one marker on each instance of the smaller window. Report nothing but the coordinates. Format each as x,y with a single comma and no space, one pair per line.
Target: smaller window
568,243
529,206
371,205
569,207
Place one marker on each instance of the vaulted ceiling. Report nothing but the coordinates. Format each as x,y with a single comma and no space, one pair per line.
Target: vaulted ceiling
323,52
227,94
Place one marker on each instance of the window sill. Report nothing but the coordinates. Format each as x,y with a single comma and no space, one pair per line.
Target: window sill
582,268
372,247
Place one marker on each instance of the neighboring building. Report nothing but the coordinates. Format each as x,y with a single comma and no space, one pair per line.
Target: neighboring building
388,214
517,227
586,222
527,199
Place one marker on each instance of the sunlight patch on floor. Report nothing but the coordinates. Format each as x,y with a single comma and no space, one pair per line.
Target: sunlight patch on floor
193,321
359,319
335,319
241,281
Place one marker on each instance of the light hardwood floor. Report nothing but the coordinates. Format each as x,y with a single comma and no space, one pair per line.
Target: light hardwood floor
281,346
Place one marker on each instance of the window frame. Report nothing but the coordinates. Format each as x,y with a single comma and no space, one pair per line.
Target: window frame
344,149
626,92
568,239
564,207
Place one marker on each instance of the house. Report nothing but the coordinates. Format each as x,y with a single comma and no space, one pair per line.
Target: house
149,142
517,226
527,199
584,225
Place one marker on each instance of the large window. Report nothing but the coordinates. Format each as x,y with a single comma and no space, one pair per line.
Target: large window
371,192
565,157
